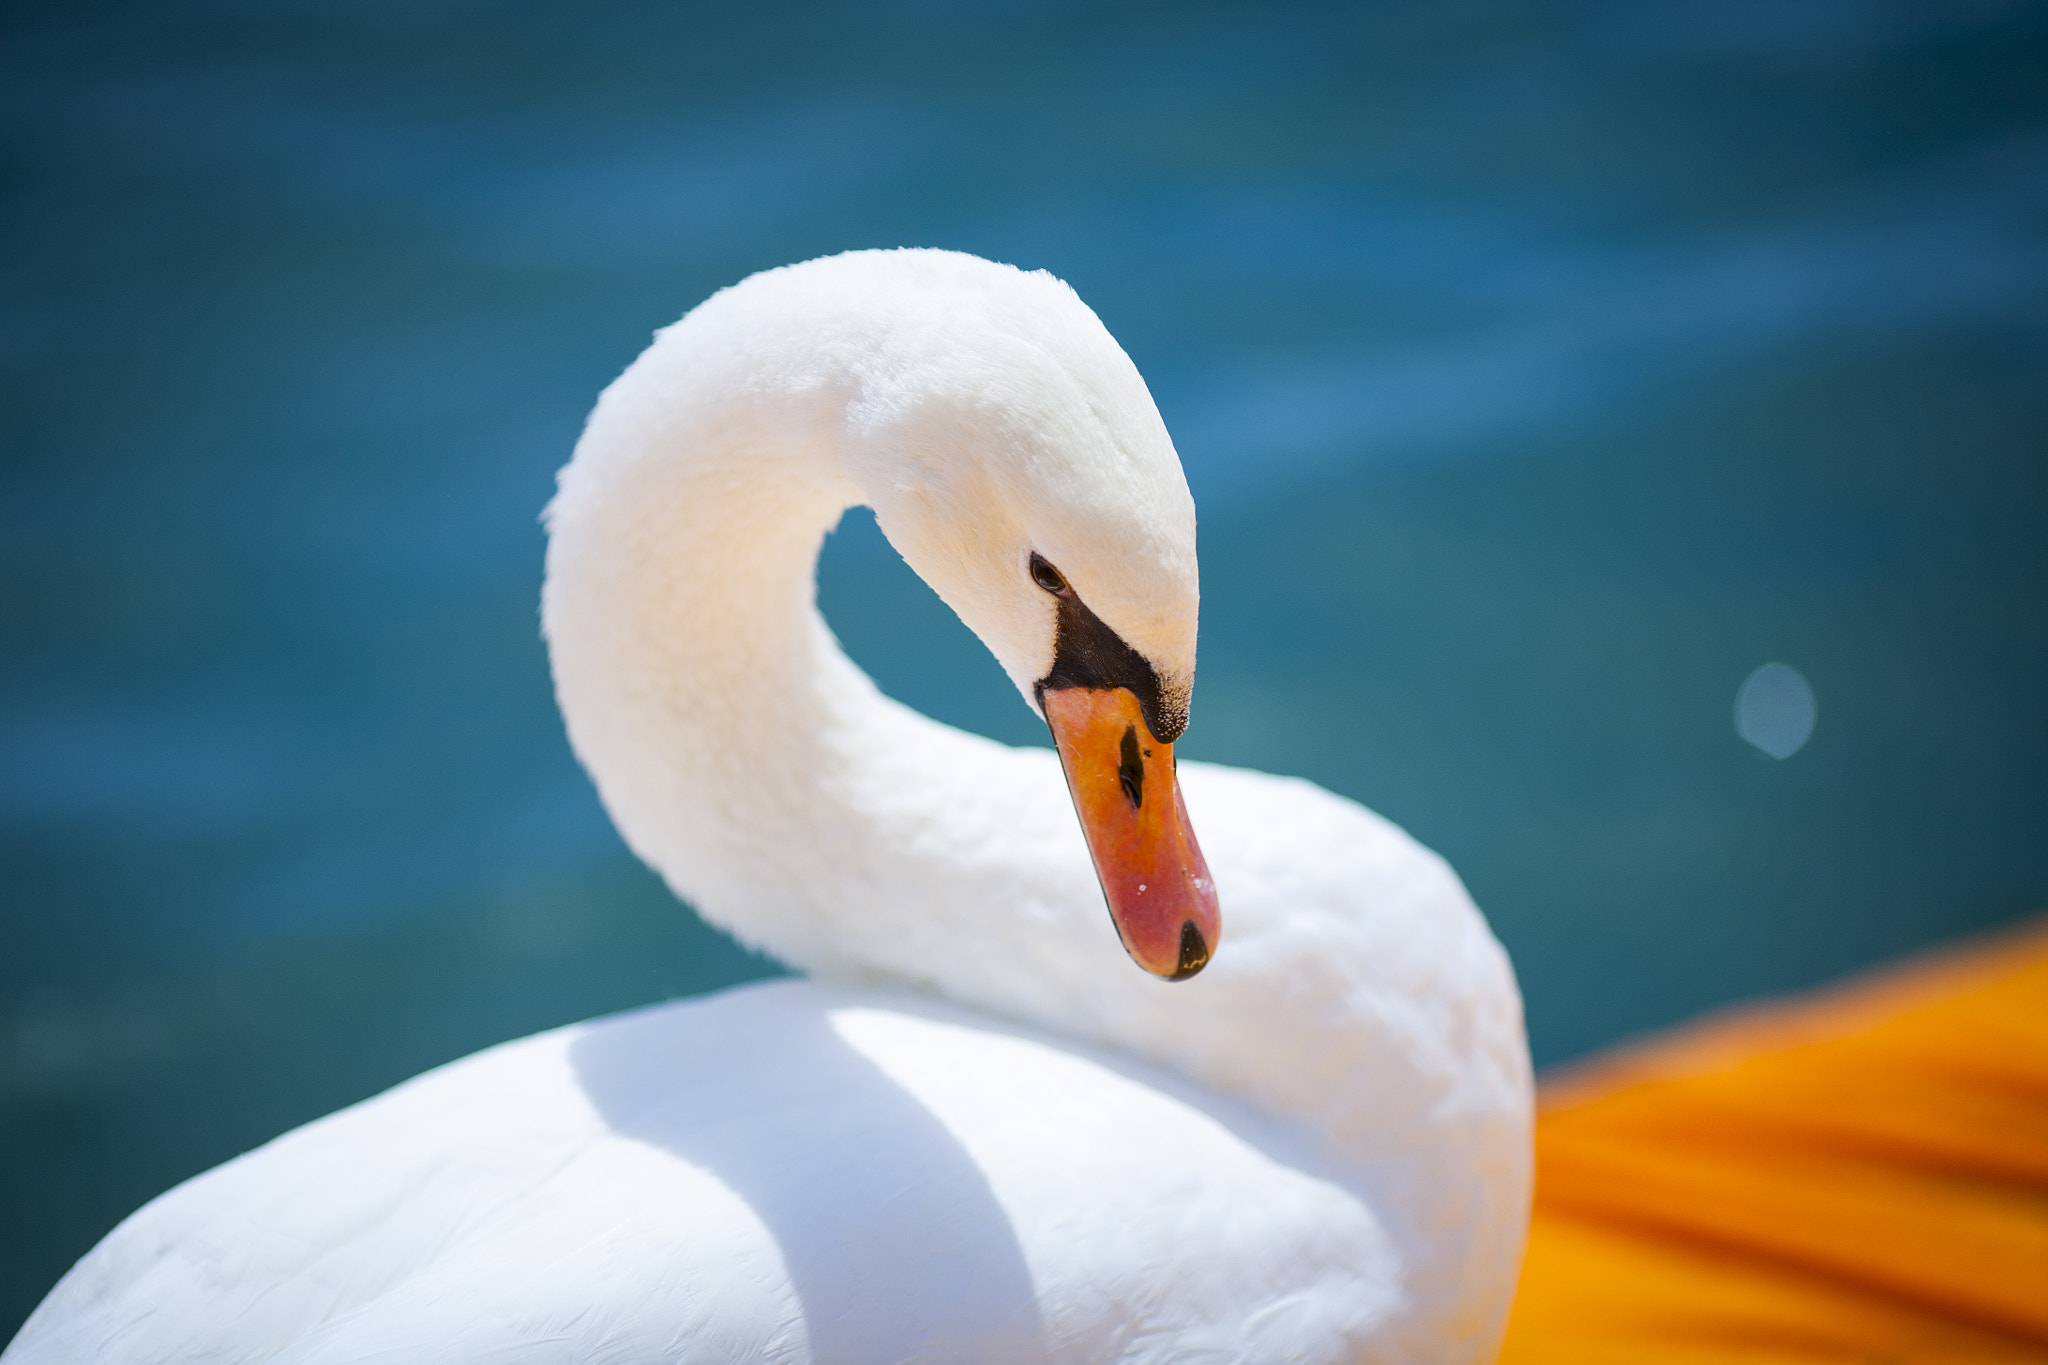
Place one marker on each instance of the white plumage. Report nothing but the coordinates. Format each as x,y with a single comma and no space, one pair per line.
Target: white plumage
979,1133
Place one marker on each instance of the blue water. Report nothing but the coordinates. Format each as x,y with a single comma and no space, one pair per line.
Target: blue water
1540,372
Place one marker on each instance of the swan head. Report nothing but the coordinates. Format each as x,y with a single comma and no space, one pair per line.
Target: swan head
1014,457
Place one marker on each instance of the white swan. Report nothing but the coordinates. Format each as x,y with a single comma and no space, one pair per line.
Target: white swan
978,1133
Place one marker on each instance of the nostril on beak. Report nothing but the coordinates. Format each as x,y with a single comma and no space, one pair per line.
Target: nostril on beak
1130,770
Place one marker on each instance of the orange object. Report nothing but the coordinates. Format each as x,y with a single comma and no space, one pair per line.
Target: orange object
1127,792
1859,1176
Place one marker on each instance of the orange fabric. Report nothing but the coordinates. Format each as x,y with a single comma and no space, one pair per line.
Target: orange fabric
1861,1176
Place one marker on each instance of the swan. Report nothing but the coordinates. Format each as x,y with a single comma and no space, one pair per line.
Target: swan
991,1123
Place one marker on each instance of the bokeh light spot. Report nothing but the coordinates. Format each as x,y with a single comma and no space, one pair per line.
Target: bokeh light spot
1774,710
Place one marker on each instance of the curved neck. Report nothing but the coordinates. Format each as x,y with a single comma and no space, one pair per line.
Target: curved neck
750,762
744,757
737,748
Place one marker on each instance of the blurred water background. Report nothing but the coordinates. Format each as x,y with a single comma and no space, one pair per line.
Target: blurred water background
1541,372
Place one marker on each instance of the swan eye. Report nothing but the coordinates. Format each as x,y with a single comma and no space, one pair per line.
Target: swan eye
1049,578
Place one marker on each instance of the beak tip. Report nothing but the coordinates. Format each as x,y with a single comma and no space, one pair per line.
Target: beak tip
1153,876
1194,953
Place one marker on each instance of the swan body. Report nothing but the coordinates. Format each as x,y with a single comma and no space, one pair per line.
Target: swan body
977,1132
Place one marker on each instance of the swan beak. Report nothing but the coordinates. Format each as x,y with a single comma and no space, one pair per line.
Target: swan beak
1158,887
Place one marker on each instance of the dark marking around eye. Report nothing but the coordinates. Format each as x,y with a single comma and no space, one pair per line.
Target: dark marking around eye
1087,653
1131,771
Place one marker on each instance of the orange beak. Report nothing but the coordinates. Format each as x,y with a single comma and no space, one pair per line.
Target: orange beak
1158,887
